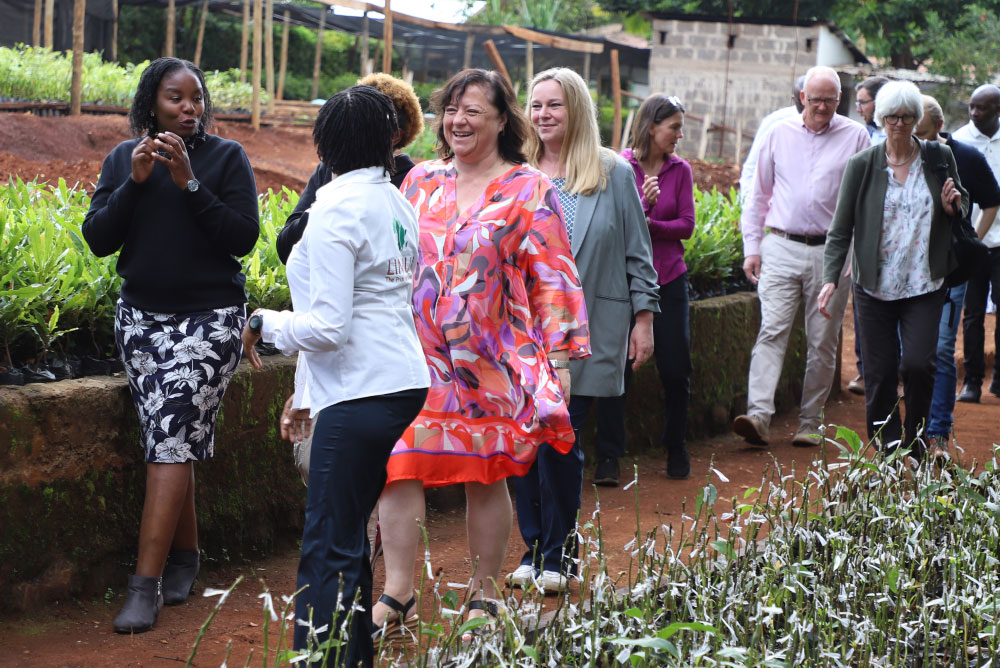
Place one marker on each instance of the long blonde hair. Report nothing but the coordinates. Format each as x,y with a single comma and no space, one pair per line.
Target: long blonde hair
581,152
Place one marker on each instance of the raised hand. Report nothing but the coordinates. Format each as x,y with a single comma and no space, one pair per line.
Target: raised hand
142,160
171,152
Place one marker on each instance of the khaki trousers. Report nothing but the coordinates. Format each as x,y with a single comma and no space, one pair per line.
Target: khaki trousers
792,274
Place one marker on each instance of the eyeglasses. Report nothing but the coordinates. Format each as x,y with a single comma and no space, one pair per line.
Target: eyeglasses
862,103
896,119
828,101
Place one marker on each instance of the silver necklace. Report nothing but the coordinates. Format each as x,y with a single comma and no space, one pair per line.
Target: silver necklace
908,158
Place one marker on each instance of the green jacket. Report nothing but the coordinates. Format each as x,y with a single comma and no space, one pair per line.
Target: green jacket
859,215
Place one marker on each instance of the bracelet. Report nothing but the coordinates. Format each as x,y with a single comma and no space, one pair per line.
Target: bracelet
559,364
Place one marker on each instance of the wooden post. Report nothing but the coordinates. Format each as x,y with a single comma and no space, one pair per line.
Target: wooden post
739,136
470,41
706,125
201,33
36,25
283,68
269,52
258,33
319,52
168,45
494,56
47,20
365,66
387,39
244,40
627,133
586,67
114,32
616,95
79,16
529,62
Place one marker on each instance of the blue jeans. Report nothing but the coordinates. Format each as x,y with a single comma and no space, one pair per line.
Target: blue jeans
946,379
547,500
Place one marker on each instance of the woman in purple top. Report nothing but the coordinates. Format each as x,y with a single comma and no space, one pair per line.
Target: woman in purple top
666,186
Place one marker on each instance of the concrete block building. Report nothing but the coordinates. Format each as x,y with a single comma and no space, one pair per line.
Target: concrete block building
731,74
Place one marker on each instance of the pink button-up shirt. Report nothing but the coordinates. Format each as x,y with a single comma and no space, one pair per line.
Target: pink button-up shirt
798,178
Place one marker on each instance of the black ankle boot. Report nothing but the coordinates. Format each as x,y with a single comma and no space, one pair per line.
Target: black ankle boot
678,462
142,604
179,574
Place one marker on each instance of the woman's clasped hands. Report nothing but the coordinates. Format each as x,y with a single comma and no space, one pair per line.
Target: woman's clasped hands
166,148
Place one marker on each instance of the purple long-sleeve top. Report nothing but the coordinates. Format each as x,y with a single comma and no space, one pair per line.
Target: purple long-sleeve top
671,219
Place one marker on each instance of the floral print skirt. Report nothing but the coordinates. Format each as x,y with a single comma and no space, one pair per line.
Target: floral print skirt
178,366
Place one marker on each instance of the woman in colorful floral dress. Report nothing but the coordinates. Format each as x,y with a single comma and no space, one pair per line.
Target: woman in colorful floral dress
499,311
179,206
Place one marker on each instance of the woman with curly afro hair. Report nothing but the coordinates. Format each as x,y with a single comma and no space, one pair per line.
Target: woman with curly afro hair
179,206
411,124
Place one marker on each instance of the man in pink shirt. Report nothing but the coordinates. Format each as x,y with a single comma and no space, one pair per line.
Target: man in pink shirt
784,227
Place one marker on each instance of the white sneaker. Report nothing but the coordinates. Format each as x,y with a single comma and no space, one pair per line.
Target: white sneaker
522,576
552,582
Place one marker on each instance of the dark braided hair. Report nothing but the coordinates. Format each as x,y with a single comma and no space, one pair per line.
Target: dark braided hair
140,118
355,129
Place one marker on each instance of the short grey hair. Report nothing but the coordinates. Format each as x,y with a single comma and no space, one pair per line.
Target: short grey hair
822,72
898,97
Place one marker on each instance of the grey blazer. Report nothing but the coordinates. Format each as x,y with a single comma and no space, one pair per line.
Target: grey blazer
615,258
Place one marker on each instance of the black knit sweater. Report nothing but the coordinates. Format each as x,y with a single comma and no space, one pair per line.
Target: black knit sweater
179,249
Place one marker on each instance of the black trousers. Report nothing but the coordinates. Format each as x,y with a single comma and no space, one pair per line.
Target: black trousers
974,318
672,353
898,338
350,449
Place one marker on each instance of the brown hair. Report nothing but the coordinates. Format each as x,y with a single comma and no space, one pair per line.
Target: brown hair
408,113
510,142
656,108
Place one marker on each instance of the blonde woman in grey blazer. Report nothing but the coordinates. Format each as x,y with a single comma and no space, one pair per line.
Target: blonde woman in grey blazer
610,243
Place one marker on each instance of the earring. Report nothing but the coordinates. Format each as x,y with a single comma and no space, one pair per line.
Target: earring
151,114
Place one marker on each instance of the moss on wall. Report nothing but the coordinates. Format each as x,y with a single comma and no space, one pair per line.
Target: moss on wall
72,480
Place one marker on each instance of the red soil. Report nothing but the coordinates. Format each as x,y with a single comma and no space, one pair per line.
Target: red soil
78,634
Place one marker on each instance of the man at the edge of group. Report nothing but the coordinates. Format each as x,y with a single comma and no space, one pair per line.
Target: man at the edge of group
749,169
983,132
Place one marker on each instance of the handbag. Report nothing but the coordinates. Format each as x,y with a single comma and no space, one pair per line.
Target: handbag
970,252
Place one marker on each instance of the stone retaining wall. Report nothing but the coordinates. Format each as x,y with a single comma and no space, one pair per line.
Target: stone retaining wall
72,475
72,481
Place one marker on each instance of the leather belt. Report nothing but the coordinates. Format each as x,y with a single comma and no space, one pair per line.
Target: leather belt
807,239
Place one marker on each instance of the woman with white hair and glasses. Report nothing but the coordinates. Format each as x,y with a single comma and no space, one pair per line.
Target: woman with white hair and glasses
895,203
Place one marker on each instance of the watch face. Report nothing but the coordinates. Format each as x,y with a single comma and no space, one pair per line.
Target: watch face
193,184
255,324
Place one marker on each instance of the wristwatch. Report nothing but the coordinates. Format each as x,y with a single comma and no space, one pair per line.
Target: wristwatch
559,364
193,185
255,323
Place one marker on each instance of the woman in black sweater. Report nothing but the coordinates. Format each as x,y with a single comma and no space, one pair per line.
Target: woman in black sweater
180,206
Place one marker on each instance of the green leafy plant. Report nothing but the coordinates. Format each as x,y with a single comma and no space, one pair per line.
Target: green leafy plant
55,295
38,74
862,558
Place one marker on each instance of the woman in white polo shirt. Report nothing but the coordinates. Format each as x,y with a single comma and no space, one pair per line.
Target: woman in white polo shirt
362,371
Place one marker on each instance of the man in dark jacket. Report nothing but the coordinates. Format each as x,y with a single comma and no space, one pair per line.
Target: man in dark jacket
977,178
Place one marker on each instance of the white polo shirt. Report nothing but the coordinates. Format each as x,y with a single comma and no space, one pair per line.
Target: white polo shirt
351,280
990,147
